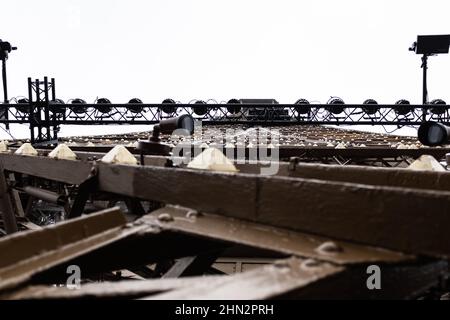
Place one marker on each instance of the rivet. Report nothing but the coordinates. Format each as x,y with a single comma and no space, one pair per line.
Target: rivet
329,248
310,263
193,214
165,217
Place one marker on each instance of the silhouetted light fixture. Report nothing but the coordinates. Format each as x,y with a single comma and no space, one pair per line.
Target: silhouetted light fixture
102,105
433,134
78,109
302,106
428,46
135,109
200,108
167,109
441,106
403,107
370,106
23,105
5,50
336,105
153,145
57,106
234,109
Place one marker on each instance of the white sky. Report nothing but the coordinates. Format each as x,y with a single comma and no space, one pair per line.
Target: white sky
202,49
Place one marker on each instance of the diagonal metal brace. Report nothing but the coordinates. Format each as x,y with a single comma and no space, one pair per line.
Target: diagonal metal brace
84,190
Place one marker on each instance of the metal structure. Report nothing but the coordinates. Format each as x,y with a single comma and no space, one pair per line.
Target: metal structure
157,207
45,113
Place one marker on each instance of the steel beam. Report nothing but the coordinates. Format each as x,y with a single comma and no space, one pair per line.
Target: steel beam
269,238
264,283
26,254
381,216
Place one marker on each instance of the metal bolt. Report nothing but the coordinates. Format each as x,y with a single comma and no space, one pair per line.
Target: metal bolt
165,217
329,248
310,263
193,214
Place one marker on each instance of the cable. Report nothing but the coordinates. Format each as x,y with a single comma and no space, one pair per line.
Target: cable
9,133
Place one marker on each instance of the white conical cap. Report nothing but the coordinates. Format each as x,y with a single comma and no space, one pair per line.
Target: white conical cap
4,146
26,150
214,160
426,162
119,155
63,152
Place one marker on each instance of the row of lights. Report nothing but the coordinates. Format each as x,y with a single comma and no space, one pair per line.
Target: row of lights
200,108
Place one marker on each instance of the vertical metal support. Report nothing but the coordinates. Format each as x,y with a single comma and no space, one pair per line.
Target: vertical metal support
9,218
424,89
47,136
5,94
37,109
54,122
5,84
30,110
84,190
53,89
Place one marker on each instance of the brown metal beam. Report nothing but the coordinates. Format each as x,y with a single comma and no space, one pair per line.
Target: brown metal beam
380,216
105,290
388,217
264,283
266,237
26,254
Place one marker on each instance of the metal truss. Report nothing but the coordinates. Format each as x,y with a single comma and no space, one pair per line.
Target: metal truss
95,114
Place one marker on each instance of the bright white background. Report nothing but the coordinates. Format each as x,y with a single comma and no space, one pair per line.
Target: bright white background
201,49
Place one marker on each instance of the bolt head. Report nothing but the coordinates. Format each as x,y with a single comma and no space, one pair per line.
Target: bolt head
165,217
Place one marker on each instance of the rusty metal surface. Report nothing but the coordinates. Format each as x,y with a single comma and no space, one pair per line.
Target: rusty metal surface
333,209
104,290
265,283
269,238
28,253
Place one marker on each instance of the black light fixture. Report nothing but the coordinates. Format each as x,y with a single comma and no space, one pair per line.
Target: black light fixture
153,145
426,46
102,105
5,50
135,109
403,107
234,109
302,106
433,134
370,106
57,106
78,109
23,105
440,106
168,106
336,105
200,108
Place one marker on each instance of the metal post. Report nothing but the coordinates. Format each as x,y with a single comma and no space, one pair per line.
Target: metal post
424,89
31,111
46,110
5,85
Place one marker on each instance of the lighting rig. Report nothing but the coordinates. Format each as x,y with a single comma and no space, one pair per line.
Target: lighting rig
45,113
